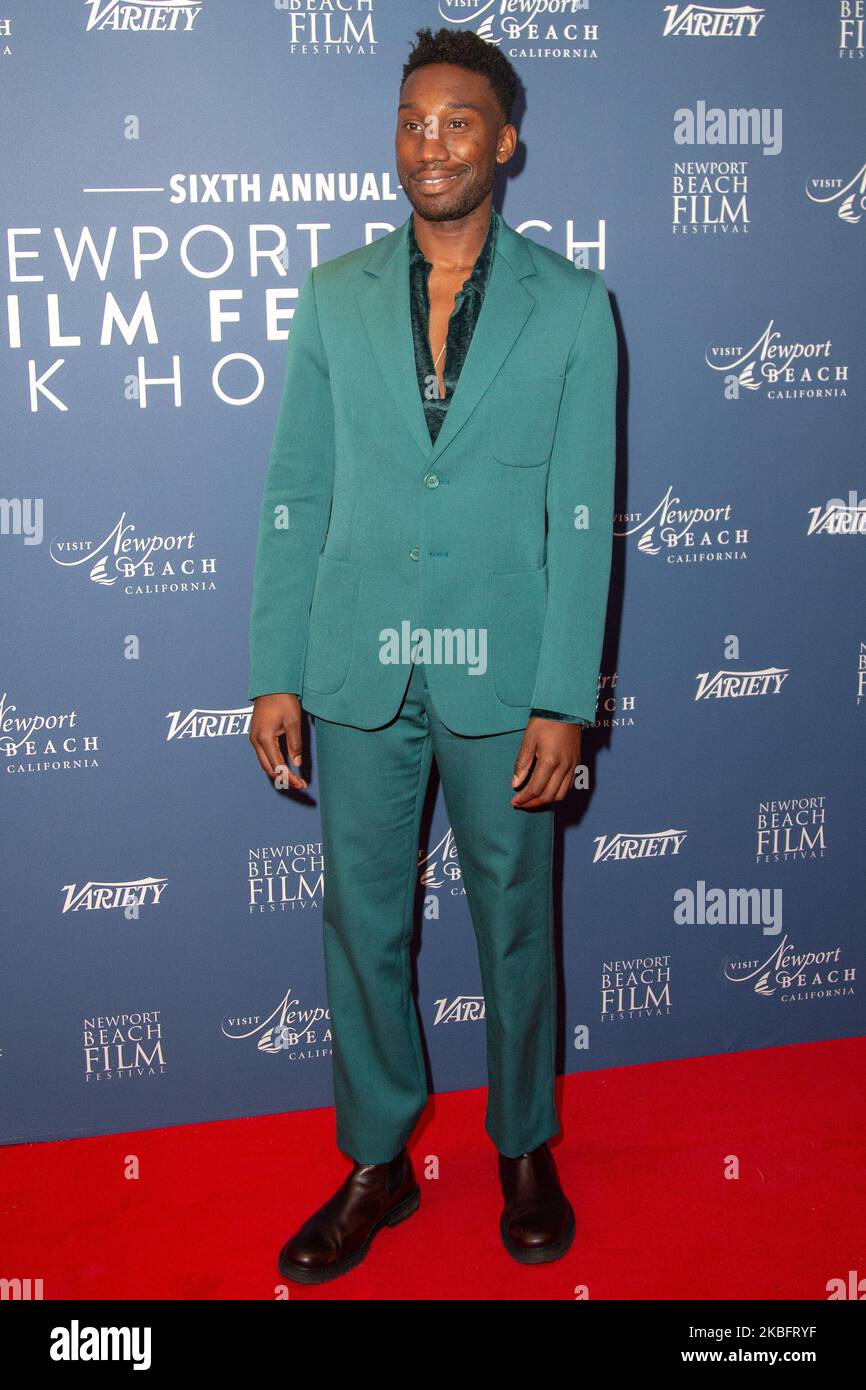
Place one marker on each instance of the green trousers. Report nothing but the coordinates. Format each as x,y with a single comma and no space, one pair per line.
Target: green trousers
372,784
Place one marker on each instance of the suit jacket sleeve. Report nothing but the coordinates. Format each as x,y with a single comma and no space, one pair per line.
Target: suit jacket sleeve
563,718
580,474
295,508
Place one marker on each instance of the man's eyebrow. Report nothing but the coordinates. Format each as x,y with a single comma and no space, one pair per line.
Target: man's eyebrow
449,105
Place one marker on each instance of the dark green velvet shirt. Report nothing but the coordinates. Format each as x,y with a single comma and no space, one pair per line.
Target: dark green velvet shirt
461,326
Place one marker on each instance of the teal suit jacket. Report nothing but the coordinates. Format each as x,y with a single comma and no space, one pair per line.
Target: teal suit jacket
499,534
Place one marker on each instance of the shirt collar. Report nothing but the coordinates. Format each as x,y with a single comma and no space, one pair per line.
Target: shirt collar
481,269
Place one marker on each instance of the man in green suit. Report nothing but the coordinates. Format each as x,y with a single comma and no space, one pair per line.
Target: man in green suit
431,579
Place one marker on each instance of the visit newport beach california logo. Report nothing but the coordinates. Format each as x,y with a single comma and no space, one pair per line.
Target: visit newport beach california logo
299,1033
689,535
440,866
153,563
801,976
45,741
790,370
849,196
554,29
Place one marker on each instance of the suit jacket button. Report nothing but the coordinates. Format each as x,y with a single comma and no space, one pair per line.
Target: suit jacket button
415,552
432,480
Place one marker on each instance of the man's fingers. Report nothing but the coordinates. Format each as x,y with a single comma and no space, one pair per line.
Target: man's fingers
565,784
274,716
523,760
261,755
269,754
548,769
294,742
287,778
270,745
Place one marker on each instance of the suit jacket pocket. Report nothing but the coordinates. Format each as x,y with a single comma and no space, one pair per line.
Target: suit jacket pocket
517,607
523,411
331,634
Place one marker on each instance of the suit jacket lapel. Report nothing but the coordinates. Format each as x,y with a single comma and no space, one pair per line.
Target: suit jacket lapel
384,306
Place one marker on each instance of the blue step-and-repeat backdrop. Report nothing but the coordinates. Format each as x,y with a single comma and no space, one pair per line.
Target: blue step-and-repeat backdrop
169,172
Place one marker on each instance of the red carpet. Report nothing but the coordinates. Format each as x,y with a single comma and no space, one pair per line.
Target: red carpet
642,1155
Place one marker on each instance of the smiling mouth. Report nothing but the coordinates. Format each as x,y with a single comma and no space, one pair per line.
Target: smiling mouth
434,183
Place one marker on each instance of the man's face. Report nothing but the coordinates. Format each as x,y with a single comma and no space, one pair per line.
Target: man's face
449,129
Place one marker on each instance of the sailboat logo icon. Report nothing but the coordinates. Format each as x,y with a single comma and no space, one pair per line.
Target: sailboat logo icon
440,864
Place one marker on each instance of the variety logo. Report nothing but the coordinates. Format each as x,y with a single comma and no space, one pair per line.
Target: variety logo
291,1030
651,844
102,897
123,555
124,1045
209,723
733,685
790,830
800,975
850,197
466,1008
632,989
712,21
46,737
285,877
796,367
689,534
170,16
838,518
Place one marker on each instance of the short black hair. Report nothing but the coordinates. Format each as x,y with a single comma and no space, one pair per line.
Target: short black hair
465,49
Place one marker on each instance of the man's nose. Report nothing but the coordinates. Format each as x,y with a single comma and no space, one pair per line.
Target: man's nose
432,146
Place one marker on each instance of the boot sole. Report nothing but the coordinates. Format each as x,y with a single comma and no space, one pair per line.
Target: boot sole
543,1254
300,1274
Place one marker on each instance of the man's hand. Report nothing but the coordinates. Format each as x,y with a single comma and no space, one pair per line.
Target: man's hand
555,746
274,715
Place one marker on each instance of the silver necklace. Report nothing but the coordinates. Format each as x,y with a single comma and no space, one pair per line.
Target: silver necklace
445,344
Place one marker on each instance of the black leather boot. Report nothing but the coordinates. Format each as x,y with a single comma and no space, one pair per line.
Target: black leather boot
337,1237
537,1222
